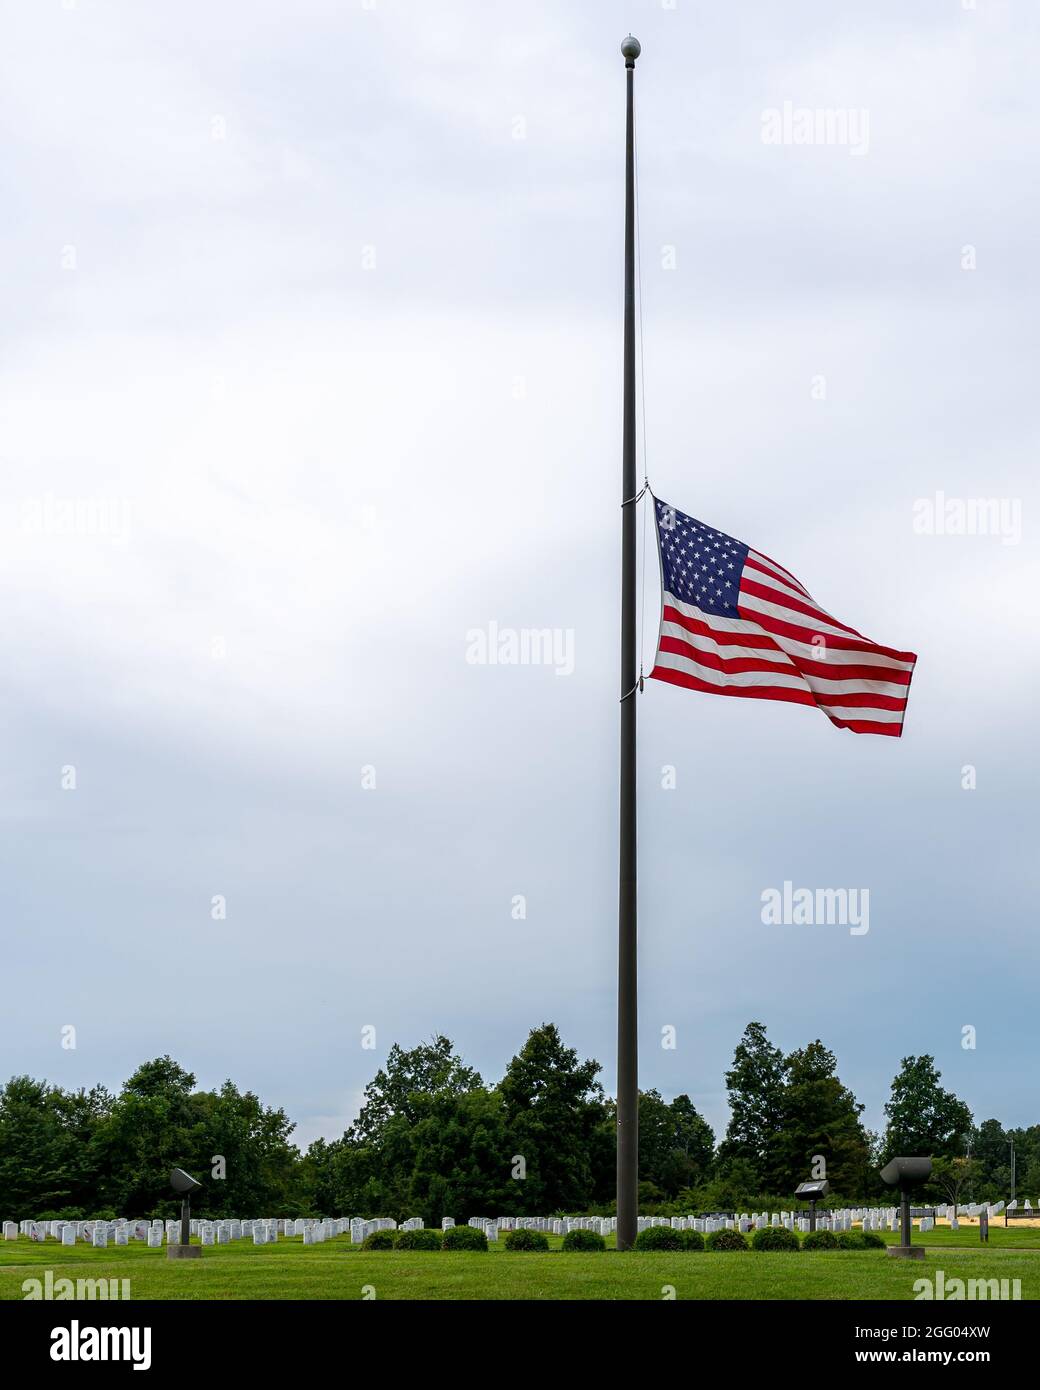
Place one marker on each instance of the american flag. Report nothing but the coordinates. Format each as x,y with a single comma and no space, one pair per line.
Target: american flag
734,622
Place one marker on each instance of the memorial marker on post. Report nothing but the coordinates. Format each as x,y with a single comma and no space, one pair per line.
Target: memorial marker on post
813,1192
906,1173
185,1185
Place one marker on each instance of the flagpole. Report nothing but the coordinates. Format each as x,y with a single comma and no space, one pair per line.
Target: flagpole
627,1052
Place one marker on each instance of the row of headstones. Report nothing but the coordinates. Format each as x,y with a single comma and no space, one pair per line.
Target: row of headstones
261,1231
317,1230
93,1232
220,1232
787,1220
829,1220
881,1219
747,1222
314,1231
606,1226
549,1225
877,1218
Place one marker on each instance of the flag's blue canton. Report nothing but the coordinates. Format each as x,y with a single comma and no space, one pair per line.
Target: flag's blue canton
700,565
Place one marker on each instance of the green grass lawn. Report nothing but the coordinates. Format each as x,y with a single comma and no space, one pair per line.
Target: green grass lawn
336,1270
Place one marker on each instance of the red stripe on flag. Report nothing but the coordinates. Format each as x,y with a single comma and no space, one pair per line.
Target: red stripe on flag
832,671
724,639
776,577
868,726
714,662
806,634
786,574
750,586
867,700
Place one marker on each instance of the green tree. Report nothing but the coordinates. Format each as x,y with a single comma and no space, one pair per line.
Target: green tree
553,1108
1029,1183
952,1176
1027,1163
399,1090
260,1167
755,1083
317,1179
676,1144
820,1117
152,1127
382,1164
48,1145
990,1149
735,1185
922,1117
460,1165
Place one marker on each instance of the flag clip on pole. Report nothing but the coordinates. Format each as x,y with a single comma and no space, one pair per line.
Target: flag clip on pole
627,1051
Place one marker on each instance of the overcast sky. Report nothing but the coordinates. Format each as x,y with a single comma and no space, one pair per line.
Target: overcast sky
310,365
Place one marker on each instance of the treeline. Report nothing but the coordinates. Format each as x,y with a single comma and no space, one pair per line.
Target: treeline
433,1139
91,1153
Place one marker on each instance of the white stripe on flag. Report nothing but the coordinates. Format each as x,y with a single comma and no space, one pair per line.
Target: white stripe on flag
789,680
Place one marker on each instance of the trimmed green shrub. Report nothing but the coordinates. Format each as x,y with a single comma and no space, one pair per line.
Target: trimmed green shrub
774,1238
584,1240
464,1238
659,1238
423,1239
820,1240
859,1240
691,1240
525,1240
850,1240
726,1240
379,1240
